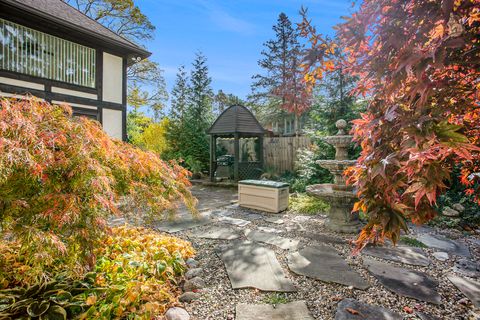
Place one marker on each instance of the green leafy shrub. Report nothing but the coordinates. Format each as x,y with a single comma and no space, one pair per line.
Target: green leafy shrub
305,204
468,218
136,275
61,177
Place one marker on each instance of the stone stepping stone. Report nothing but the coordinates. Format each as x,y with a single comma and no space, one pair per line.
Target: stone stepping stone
296,310
221,213
365,311
251,216
324,263
268,229
405,282
273,239
470,288
234,221
444,244
408,255
216,232
182,224
275,219
467,268
251,265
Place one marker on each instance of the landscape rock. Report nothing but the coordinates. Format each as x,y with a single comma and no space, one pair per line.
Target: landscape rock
458,207
192,273
176,313
441,256
449,212
405,282
365,311
189,297
191,263
193,284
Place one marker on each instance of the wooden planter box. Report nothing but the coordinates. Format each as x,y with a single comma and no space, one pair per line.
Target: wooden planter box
270,196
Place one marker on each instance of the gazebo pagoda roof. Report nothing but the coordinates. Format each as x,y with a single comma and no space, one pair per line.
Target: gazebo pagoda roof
236,119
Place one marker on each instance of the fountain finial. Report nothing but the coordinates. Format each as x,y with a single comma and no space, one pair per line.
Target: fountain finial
341,125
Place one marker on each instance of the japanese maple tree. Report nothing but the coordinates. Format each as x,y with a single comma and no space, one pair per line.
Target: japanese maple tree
62,177
418,62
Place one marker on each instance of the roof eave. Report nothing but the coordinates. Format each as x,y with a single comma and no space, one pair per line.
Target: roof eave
132,50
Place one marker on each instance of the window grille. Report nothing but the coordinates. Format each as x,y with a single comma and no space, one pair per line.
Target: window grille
38,54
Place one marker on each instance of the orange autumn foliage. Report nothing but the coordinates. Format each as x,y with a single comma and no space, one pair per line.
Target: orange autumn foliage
418,63
61,178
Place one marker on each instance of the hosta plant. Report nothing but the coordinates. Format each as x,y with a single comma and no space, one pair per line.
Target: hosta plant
136,276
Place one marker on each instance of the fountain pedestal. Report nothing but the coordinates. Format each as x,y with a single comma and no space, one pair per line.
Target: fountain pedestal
340,196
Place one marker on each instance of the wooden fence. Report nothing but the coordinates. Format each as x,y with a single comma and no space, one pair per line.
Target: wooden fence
280,153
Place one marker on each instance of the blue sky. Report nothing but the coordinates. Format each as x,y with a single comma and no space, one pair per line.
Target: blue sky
230,33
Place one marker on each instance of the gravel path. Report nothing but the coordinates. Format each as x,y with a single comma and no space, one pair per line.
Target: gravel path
218,299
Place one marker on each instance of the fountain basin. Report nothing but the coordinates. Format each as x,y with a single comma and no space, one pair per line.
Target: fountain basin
336,164
340,218
339,140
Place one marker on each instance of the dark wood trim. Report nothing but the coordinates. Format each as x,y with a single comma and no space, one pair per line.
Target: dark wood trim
50,96
86,112
45,81
99,74
124,98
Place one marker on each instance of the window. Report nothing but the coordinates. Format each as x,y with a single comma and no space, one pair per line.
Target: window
38,54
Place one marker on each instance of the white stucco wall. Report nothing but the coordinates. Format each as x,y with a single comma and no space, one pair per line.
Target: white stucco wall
112,122
112,78
74,93
21,83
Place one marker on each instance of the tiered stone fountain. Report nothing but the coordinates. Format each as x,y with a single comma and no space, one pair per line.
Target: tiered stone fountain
340,196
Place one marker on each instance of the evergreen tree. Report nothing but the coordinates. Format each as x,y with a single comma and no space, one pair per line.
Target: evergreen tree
279,89
199,115
178,108
222,101
180,95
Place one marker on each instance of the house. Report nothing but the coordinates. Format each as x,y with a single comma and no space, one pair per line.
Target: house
285,124
53,51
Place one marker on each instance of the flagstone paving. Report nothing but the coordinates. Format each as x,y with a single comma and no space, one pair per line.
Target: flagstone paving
271,238
443,244
467,268
405,282
251,265
408,255
296,310
234,221
469,288
241,266
324,263
216,232
350,309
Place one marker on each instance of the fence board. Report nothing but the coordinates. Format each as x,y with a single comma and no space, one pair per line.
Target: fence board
280,152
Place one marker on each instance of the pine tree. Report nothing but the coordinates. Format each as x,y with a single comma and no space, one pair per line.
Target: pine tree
222,101
280,87
201,94
199,115
180,95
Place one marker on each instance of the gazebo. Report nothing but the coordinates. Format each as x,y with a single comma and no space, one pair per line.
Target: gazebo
237,123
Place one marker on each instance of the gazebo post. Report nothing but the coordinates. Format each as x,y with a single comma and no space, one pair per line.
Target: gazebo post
213,152
260,150
236,151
